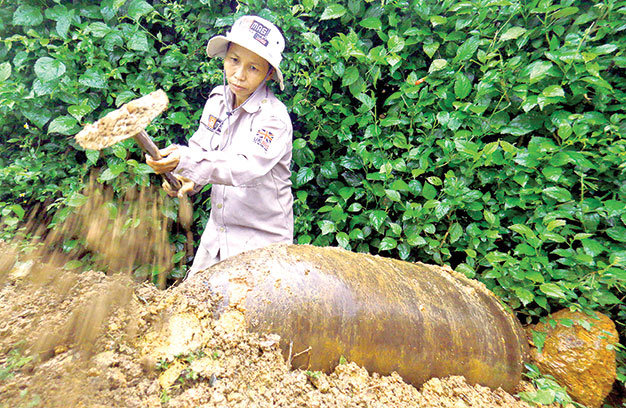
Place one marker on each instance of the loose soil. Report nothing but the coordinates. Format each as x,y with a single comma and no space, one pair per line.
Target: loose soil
86,336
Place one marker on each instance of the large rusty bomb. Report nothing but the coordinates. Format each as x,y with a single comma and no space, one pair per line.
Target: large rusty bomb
421,321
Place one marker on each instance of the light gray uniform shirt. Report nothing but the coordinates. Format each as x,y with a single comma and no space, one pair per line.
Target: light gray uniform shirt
246,157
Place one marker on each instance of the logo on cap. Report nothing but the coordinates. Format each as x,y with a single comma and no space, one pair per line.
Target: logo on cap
260,32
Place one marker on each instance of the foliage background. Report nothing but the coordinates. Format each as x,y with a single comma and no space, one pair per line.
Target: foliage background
487,135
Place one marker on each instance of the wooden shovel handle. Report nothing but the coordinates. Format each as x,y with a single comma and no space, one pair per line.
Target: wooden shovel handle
148,145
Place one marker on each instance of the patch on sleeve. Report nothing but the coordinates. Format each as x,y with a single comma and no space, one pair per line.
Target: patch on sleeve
263,138
213,124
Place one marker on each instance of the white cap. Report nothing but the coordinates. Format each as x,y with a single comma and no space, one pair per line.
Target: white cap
257,35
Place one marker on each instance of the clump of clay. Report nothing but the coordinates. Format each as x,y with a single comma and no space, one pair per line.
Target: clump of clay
579,353
124,122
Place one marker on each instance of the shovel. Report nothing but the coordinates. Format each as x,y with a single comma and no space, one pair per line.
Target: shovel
130,120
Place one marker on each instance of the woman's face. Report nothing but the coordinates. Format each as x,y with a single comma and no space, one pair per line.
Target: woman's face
245,71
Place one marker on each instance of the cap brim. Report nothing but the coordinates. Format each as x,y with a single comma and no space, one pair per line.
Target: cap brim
217,46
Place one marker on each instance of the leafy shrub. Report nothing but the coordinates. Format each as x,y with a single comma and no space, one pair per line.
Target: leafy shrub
488,135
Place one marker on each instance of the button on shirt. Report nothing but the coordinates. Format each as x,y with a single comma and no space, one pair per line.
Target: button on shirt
246,157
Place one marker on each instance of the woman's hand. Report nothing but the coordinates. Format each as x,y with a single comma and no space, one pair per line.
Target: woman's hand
186,186
169,161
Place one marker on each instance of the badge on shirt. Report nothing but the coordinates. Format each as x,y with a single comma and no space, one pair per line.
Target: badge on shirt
213,124
263,138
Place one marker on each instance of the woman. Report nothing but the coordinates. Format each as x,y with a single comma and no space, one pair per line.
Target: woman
242,147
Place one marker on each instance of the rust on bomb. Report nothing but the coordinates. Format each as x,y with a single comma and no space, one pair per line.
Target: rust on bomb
421,321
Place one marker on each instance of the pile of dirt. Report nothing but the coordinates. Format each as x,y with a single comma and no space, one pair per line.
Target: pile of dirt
80,340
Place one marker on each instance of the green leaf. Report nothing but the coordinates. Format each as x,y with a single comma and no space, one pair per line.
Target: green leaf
387,244
313,39
538,70
138,41
18,210
367,100
456,232
329,170
333,11
606,298
62,16
377,218
543,397
512,33
76,200
390,121
120,152
350,76
326,226
534,276
138,8
462,86
99,29
355,207
522,124
553,91
38,116
429,192
78,111
303,176
27,15
430,49
467,49
437,65
63,26
437,20
618,233
524,295
110,7
124,97
395,44
63,125
393,195
522,229
180,118
599,82
92,156
342,239
552,290
5,71
564,12
619,259
372,23
93,78
393,59
434,180
558,193
48,69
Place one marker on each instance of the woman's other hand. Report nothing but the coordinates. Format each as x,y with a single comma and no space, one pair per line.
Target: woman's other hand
169,161
186,186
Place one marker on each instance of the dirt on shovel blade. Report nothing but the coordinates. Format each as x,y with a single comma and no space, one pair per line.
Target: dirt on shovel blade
86,339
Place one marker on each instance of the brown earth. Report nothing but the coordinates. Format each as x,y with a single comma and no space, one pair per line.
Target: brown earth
86,332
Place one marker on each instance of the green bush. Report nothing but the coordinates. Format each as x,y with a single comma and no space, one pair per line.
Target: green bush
486,135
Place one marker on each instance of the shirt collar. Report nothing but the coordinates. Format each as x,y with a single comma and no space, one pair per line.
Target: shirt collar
252,104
